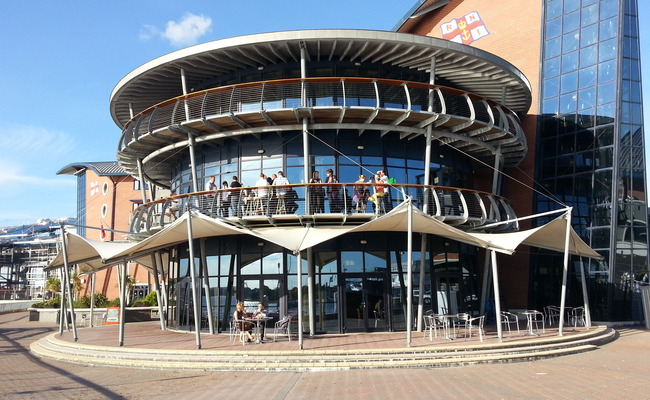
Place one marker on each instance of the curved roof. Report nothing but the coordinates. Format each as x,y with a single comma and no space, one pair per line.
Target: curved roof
466,67
101,168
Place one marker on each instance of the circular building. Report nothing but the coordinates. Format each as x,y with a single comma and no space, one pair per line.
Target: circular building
354,124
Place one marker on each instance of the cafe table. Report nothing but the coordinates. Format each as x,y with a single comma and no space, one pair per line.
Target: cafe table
257,322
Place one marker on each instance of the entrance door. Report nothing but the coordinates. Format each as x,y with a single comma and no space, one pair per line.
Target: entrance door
364,304
266,290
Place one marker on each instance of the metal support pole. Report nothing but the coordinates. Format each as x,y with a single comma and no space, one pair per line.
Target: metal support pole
299,259
195,299
585,295
310,291
66,271
206,285
62,308
497,295
409,265
156,286
425,206
92,299
305,127
143,183
486,282
123,303
565,272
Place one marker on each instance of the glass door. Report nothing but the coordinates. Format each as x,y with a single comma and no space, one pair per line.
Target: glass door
364,304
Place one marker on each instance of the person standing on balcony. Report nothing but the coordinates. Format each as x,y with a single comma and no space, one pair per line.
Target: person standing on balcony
235,196
333,192
210,185
379,191
316,194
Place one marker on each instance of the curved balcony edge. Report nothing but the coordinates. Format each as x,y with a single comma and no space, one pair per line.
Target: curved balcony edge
326,204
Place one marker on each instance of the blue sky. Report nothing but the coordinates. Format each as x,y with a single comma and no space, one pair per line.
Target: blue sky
60,61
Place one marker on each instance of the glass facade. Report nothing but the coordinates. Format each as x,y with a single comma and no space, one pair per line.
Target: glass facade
590,151
359,282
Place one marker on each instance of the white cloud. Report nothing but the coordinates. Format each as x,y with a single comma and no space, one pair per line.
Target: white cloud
185,32
24,142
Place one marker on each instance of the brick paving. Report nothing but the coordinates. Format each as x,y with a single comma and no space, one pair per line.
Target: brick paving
616,370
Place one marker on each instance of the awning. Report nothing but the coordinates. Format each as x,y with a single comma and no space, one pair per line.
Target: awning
86,253
550,236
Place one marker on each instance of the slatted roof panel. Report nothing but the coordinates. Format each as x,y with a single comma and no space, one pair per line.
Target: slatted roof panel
465,67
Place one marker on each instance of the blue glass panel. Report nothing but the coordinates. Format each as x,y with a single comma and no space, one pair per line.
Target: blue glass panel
589,35
553,9
551,88
569,62
551,67
570,42
635,92
608,8
569,82
552,48
553,28
568,103
608,29
571,5
586,98
636,113
626,68
607,71
607,50
587,77
625,90
571,22
589,15
605,113
588,55
606,92
635,74
631,28
587,2
549,106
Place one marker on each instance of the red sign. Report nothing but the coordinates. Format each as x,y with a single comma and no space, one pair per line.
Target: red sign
112,316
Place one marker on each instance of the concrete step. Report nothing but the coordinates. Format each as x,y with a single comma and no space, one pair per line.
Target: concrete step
464,353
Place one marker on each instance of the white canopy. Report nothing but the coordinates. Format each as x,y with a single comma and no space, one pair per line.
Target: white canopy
93,255
550,236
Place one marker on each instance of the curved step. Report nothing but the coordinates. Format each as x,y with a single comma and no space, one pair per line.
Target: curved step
312,360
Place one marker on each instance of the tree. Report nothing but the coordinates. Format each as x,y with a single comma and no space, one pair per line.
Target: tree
76,285
52,286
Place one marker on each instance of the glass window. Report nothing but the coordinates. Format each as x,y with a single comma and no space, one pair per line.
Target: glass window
586,98
606,113
607,50
571,5
608,28
571,22
606,92
606,71
589,15
568,103
608,8
587,77
570,42
588,56
569,82
351,261
589,35
553,9
553,28
552,47
550,106
551,67
551,87
569,62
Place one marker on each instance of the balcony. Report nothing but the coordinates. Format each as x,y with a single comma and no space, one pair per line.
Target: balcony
460,119
325,204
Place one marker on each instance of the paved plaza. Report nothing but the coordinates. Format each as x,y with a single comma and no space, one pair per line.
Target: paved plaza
618,369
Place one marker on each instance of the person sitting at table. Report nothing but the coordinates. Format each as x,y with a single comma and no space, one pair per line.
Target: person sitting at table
242,325
260,313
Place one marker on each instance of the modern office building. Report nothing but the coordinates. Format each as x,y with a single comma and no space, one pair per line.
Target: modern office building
584,129
476,116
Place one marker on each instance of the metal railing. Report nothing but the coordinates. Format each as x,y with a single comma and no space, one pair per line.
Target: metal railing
332,203
378,94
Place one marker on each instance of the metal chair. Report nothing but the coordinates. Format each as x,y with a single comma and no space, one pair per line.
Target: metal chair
282,327
578,316
431,324
552,314
508,319
475,323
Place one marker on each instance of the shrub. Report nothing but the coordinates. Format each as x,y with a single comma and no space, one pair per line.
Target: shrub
54,303
152,299
113,303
